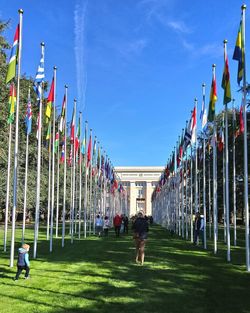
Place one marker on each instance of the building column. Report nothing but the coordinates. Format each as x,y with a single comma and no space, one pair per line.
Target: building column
148,198
132,195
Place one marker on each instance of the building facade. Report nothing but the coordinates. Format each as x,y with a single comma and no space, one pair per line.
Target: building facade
139,183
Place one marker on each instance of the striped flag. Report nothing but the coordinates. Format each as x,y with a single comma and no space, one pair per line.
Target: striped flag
40,77
212,101
62,117
12,104
89,152
72,130
239,54
28,117
50,100
48,135
225,84
56,142
203,115
62,155
11,72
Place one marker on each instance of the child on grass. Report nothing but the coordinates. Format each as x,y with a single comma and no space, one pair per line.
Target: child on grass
23,262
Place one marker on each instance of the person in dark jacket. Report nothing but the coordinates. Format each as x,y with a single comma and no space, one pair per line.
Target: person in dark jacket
140,228
23,262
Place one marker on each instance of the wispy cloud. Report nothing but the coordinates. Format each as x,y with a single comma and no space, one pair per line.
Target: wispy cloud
179,26
80,14
134,47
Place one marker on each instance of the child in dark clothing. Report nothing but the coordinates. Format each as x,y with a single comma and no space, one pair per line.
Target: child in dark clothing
23,262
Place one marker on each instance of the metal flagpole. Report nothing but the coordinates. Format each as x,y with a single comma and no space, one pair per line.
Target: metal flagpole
37,212
209,197
80,178
65,167
191,196
224,184
215,188
85,183
196,164
204,182
57,185
16,142
182,191
7,190
187,201
73,178
234,176
25,179
53,167
227,174
90,187
49,184
246,204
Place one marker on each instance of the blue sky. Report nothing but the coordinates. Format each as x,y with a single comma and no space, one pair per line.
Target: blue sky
135,66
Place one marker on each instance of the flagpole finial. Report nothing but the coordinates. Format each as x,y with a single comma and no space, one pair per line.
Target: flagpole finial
225,41
55,68
195,99
74,99
203,85
42,44
91,129
243,7
214,65
20,11
86,122
66,86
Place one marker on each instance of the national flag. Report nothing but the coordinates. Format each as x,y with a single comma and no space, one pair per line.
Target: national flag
89,151
70,157
72,127
239,53
12,104
94,153
48,135
83,146
56,144
225,84
62,154
241,120
221,140
77,139
28,117
50,100
203,115
98,159
40,76
11,71
212,101
62,117
193,125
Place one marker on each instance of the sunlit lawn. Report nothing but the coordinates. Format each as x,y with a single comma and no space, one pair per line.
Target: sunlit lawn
100,275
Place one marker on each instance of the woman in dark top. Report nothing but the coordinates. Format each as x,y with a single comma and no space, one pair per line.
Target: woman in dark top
140,228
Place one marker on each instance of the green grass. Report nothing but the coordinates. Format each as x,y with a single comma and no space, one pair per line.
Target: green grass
100,275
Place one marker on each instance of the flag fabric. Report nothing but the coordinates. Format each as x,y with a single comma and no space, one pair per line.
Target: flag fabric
89,152
48,135
28,117
225,84
12,104
212,101
56,144
40,76
50,100
221,140
70,157
72,128
94,153
77,139
62,154
241,120
203,115
83,146
62,117
193,126
239,54
98,159
11,71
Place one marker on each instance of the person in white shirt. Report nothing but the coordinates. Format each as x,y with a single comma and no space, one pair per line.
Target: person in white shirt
106,226
99,225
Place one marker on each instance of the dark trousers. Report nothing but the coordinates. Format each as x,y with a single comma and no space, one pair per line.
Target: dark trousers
106,231
117,230
19,271
125,229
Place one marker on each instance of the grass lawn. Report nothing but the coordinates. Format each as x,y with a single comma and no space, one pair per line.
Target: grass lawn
100,275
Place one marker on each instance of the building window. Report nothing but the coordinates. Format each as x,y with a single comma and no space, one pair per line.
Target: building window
140,184
154,183
140,193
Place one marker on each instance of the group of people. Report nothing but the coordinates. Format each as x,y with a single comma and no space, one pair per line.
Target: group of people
120,223
139,227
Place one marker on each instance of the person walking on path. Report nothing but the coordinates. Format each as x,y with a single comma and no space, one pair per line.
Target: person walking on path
117,221
198,228
125,223
23,262
140,228
99,225
106,226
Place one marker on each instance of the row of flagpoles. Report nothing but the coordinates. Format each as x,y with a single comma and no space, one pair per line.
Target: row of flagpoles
93,181
175,198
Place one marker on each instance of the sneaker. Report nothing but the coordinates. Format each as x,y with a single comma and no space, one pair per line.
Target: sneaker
14,278
27,277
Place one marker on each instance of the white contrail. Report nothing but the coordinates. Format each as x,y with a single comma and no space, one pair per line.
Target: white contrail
80,51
